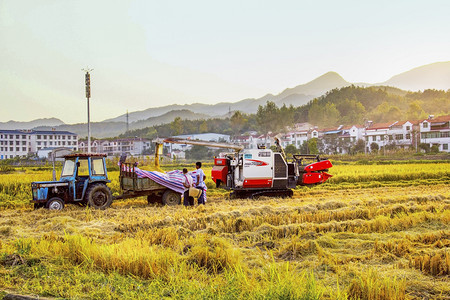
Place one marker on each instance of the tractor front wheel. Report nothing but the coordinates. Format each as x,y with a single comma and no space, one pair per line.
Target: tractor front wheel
99,196
55,203
171,198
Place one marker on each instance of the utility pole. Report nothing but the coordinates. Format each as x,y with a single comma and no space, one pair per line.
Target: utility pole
88,96
127,122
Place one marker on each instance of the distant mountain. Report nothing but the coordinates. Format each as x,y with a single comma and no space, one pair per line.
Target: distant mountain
296,96
12,125
432,76
318,86
167,118
110,129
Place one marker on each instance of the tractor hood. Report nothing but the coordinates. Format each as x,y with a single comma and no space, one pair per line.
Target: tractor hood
47,184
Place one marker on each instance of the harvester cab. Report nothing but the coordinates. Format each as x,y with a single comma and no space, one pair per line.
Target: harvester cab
83,180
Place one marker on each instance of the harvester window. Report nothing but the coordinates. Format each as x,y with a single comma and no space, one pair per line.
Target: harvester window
97,167
83,168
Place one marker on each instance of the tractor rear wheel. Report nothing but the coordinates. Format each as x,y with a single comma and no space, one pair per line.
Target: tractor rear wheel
99,196
171,198
55,203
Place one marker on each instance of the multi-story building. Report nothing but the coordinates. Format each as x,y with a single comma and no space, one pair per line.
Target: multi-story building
130,146
394,134
19,143
436,131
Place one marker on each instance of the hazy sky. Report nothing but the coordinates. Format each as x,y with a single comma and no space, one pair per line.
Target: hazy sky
154,53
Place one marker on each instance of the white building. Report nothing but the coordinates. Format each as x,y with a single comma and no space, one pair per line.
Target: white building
20,143
396,134
436,131
130,146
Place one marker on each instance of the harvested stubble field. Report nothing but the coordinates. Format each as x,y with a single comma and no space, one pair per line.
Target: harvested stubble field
372,232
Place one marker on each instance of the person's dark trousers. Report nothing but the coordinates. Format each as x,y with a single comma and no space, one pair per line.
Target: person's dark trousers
201,199
186,198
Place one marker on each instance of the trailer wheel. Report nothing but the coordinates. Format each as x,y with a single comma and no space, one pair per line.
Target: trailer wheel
55,203
99,196
171,198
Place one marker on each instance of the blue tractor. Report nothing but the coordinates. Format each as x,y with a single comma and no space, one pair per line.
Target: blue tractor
83,180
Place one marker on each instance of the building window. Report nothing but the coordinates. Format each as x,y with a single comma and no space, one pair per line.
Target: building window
408,127
391,137
408,136
444,146
445,134
17,136
50,137
425,125
17,143
17,149
24,136
39,136
399,137
11,149
24,148
63,137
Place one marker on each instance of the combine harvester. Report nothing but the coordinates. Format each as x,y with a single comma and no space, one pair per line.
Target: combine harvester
260,172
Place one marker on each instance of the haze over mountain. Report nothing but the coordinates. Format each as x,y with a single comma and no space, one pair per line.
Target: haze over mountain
432,76
11,125
110,129
296,96
436,76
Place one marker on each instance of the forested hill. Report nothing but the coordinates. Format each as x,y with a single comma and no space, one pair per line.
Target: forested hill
345,106
352,105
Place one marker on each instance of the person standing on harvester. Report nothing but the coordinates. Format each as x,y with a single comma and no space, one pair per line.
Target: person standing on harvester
200,182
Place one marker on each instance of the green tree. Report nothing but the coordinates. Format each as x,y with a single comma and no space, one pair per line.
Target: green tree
267,117
312,146
374,147
359,147
176,126
290,150
198,153
237,122
203,128
415,111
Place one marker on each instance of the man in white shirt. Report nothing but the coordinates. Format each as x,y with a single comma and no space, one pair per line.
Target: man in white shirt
200,182
187,183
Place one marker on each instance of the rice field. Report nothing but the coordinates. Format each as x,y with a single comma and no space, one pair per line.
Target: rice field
371,232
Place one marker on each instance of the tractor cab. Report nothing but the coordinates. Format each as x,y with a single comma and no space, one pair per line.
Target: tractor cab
83,180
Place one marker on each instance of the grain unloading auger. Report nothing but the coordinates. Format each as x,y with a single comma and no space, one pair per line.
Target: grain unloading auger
259,172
